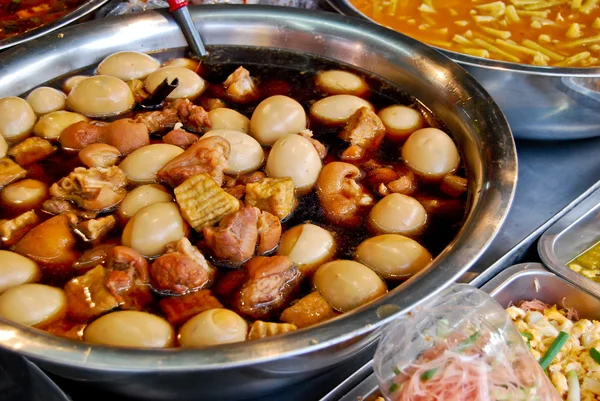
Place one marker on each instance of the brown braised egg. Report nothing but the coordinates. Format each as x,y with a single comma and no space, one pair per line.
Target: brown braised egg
239,204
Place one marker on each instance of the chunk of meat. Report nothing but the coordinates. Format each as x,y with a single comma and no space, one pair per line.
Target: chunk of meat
381,175
273,195
180,111
10,171
96,188
123,258
364,130
208,155
66,328
308,311
194,117
52,244
88,297
182,269
57,206
157,121
98,255
210,103
203,203
94,230
271,282
454,185
353,153
255,176
449,209
181,138
240,87
180,309
77,136
128,278
11,231
260,329
269,233
138,88
234,240
31,150
126,135
229,283
237,191
405,185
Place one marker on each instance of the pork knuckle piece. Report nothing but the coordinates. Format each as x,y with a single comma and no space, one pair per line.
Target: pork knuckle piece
182,269
271,282
240,87
234,240
52,244
208,155
364,131
95,189
128,278
88,297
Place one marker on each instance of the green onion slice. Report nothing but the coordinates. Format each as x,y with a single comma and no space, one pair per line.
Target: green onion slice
595,355
393,387
554,349
528,336
428,374
465,343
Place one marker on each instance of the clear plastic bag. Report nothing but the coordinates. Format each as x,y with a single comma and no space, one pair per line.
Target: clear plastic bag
462,346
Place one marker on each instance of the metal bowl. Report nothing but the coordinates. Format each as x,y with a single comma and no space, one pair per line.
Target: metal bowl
244,370
539,102
77,15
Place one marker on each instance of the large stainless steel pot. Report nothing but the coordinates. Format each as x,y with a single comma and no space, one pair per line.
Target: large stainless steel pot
539,102
247,369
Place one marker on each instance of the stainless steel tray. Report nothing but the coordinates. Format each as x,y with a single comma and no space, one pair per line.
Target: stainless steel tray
575,232
518,282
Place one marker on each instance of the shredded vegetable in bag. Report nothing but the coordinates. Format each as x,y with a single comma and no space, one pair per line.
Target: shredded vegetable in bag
462,346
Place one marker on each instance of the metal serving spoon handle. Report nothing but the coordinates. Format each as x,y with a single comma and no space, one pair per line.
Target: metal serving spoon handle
182,15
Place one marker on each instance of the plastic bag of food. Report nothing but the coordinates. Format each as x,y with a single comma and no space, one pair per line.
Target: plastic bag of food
462,346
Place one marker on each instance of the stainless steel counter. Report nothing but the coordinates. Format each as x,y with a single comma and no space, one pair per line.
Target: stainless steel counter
551,176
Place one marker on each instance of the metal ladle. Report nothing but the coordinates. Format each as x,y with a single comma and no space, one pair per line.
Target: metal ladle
182,15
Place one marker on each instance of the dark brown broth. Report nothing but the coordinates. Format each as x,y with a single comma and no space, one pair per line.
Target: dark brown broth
299,76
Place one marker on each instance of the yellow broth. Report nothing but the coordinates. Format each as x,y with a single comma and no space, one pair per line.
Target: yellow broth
558,33
588,263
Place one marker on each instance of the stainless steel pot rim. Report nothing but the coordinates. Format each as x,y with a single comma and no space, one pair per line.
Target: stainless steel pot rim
346,8
490,207
81,11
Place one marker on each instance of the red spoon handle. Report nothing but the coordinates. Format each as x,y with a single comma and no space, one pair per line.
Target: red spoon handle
176,4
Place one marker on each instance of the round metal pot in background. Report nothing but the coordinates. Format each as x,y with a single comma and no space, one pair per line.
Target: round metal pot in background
278,35
80,14
539,102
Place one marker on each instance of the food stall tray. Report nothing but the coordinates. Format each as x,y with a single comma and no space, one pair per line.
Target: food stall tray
516,283
571,235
